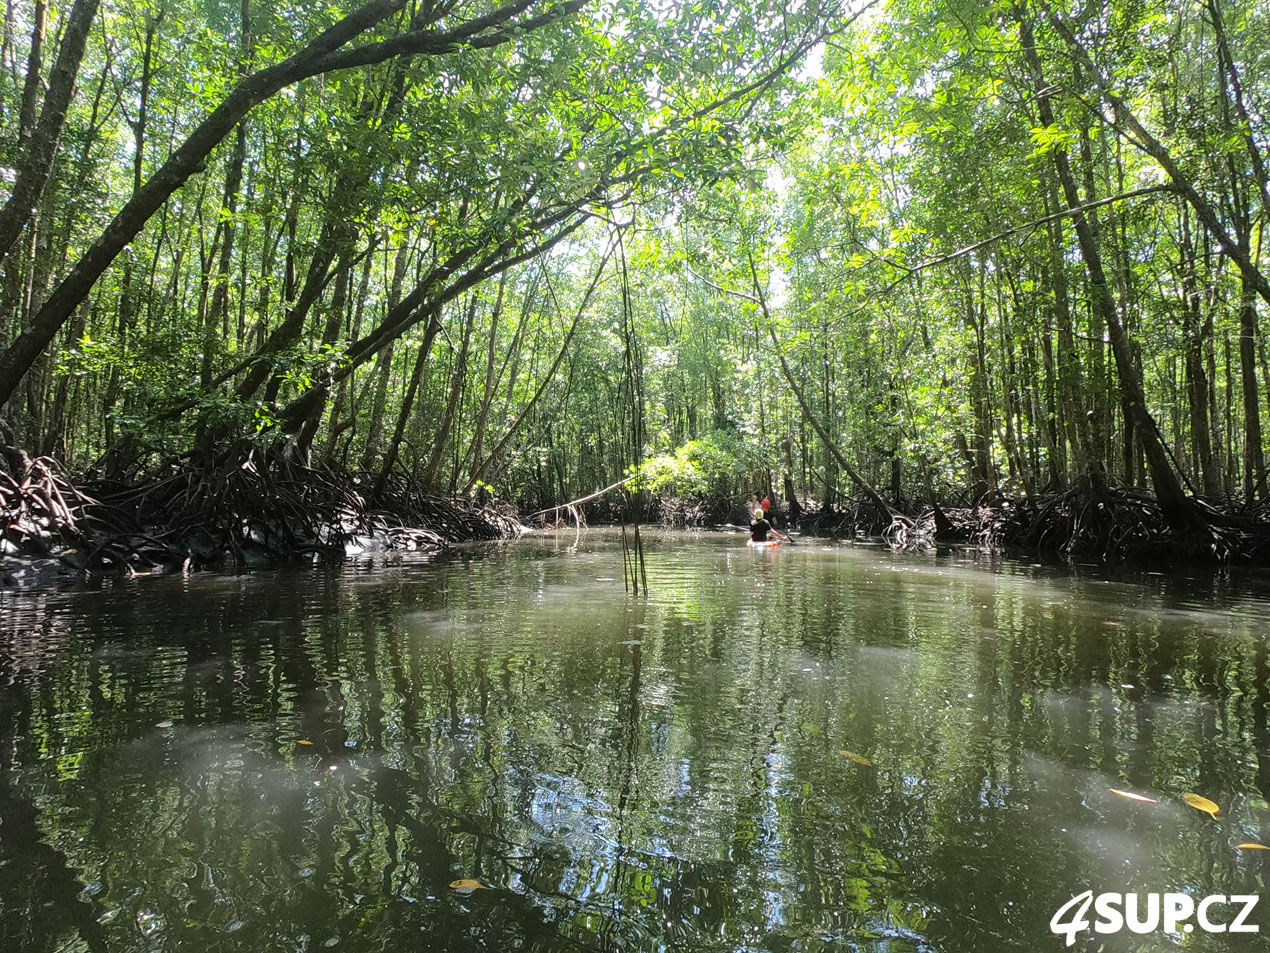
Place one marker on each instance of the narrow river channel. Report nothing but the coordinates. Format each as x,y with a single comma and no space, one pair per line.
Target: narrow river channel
823,747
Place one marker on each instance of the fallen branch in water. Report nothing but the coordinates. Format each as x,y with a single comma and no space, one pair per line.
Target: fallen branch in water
574,504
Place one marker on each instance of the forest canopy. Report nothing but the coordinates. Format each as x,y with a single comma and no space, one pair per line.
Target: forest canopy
923,250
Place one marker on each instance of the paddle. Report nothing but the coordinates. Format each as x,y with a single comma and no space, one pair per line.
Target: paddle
746,529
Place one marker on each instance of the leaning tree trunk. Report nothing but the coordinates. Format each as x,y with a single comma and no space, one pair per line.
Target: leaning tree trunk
483,467
1176,507
1137,133
327,52
861,483
187,160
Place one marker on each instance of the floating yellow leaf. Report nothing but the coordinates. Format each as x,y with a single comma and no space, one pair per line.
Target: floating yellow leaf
1201,804
1133,797
1251,847
857,758
469,885
303,741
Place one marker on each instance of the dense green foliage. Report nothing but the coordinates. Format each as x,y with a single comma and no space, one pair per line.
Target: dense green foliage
534,246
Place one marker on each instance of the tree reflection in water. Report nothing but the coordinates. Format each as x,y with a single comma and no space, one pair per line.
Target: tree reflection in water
622,774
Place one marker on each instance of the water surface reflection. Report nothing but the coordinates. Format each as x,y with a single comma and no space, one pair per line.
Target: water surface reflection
819,748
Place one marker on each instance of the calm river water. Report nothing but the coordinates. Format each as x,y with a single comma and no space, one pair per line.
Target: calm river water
818,748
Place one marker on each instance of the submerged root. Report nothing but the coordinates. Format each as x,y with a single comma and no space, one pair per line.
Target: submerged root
40,505
1118,524
860,519
684,511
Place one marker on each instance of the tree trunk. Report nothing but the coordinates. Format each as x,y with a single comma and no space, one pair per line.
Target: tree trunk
483,467
1254,455
383,364
487,395
36,163
54,443
407,405
218,313
330,335
1176,507
323,54
34,81
864,486
459,376
976,317
330,244
1124,116
1197,388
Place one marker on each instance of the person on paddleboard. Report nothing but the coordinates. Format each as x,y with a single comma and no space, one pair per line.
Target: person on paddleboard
760,527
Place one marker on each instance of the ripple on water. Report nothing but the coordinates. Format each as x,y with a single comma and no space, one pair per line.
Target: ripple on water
337,747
